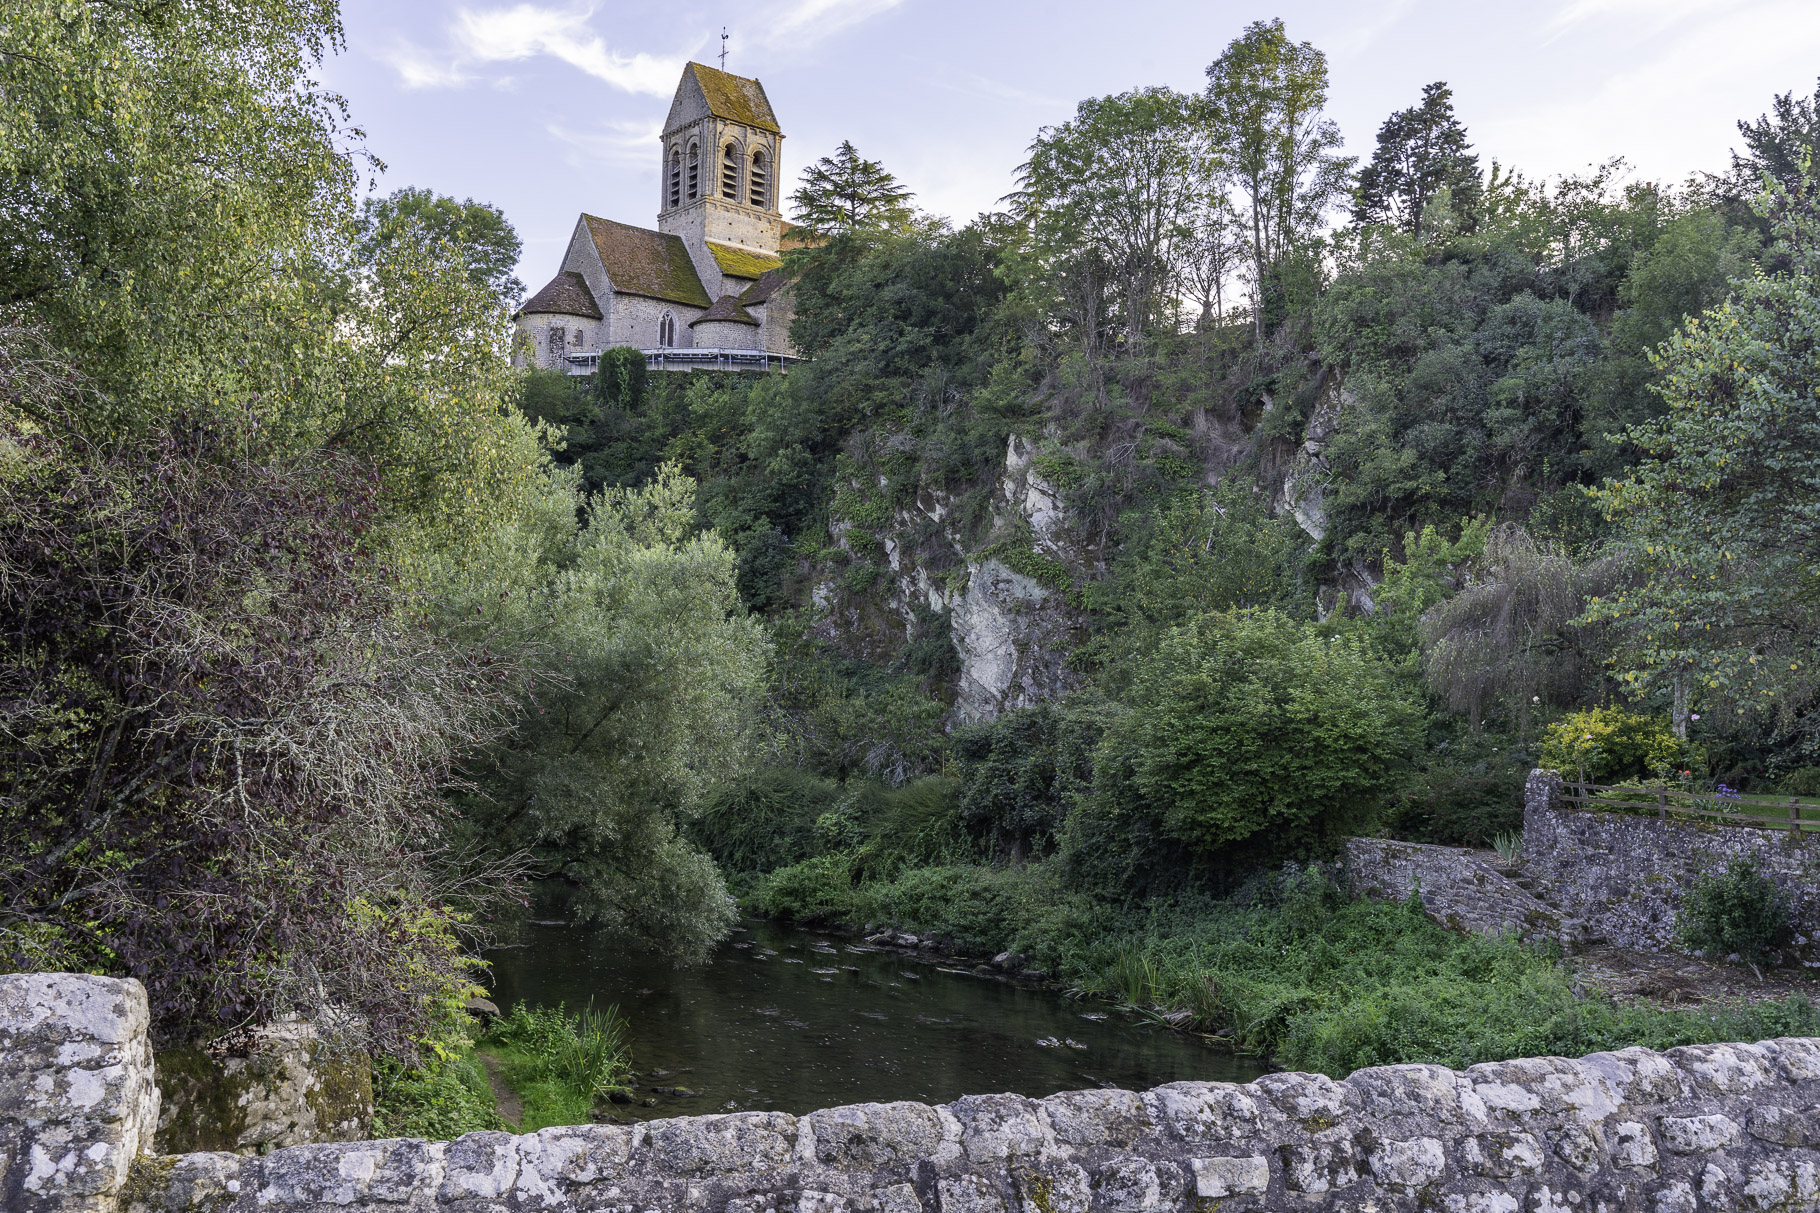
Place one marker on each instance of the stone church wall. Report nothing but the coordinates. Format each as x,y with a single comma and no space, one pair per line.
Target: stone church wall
1711,1127
636,319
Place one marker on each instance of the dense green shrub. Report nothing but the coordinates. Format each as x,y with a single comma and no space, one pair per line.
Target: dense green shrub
1741,912
1020,772
764,821
1247,721
1610,744
438,1101
1467,792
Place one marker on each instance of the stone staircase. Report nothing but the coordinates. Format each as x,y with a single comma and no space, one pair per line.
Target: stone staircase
1463,890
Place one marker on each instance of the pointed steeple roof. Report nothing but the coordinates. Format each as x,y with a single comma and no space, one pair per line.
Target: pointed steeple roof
722,94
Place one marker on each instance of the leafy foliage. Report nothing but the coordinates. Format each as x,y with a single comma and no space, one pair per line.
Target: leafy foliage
646,675
224,750
1740,913
476,232
1719,510
1610,744
1246,721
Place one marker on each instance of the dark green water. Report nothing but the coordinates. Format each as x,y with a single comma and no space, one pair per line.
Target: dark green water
790,1020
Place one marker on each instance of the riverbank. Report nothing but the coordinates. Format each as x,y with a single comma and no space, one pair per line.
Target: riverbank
1290,969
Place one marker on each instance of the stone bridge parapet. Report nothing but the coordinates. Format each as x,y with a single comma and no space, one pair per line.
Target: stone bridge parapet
1711,1127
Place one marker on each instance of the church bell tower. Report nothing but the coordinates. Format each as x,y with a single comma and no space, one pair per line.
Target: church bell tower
720,177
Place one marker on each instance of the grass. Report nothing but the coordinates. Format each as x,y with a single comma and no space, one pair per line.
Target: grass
1292,969
439,1101
557,1063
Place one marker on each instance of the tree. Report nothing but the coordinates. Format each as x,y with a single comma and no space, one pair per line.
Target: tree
224,746
1780,145
1245,722
647,672
1514,633
1420,151
1212,251
1108,197
845,194
207,270
1721,511
477,233
1265,96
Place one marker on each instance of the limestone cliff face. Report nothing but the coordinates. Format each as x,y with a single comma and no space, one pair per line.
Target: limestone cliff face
1004,595
1007,589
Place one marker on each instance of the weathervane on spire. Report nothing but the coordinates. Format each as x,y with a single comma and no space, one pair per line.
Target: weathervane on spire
723,48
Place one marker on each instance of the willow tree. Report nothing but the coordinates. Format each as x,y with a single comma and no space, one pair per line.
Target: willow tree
1515,636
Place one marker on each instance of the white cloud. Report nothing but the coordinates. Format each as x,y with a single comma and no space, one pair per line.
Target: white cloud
417,68
801,22
504,35
1655,15
524,31
619,145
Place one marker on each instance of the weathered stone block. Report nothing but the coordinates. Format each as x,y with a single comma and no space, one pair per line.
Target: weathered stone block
872,1135
1247,1176
736,1143
1203,1113
1097,1118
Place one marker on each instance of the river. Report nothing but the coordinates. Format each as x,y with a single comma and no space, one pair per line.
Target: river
792,1020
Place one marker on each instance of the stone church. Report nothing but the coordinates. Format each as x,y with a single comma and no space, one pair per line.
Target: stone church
706,289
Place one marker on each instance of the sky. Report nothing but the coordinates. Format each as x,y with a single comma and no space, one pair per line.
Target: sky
548,108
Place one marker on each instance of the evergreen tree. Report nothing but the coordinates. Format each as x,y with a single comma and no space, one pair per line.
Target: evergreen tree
1779,143
1421,150
845,193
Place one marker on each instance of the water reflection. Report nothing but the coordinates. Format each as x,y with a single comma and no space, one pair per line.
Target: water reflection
790,1020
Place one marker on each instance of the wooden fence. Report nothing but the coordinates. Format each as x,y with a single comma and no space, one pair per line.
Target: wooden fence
1676,804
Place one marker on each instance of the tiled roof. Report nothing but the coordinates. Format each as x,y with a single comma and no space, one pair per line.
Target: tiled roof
567,294
643,262
742,262
735,98
766,286
725,308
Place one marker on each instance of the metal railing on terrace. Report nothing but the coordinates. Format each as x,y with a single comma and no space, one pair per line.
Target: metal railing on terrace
693,358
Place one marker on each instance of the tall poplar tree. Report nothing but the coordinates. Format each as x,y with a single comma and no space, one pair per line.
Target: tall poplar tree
1265,99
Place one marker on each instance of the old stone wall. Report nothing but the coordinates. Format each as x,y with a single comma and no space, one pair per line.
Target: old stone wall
1703,1128
1458,889
1627,876
1713,1127
285,1086
77,1101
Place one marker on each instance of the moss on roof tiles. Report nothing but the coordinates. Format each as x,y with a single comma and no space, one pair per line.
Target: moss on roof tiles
640,261
735,98
763,289
725,308
566,295
743,262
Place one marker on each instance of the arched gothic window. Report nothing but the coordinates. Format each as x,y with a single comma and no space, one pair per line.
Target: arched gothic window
666,330
675,176
694,171
729,174
761,181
